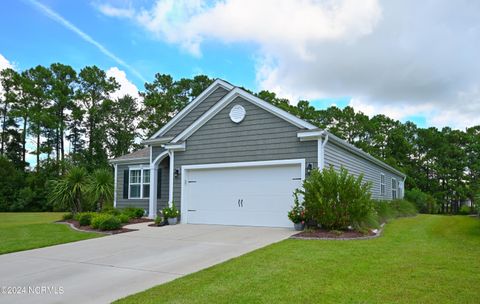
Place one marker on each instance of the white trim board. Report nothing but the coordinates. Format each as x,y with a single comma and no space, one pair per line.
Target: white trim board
185,168
216,84
227,99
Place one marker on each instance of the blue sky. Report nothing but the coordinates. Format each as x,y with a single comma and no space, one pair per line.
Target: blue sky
30,38
375,55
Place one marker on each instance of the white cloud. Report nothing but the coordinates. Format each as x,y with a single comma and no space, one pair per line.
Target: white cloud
126,86
4,63
111,11
400,58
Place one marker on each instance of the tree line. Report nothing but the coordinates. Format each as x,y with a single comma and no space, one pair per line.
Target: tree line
67,118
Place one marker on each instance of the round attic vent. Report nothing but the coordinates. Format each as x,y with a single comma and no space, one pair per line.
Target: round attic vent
237,113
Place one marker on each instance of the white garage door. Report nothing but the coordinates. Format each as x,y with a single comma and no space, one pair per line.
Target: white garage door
248,195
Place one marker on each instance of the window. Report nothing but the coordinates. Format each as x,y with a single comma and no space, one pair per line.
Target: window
382,184
146,183
139,183
394,188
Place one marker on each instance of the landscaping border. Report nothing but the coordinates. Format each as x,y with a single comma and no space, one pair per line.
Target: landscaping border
369,237
106,232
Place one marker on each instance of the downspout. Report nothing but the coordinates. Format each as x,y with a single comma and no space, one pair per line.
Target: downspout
403,187
322,145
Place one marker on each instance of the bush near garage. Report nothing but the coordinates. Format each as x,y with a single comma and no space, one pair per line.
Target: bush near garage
337,200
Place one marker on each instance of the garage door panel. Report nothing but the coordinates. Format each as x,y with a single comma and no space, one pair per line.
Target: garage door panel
265,192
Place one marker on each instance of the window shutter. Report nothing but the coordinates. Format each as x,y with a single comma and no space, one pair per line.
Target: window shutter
125,183
159,183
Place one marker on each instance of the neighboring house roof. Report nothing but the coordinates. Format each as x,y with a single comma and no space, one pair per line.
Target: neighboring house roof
139,155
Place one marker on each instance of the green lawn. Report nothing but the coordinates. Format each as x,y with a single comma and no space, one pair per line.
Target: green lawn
424,259
22,231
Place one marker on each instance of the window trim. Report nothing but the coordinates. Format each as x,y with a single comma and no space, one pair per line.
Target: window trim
394,182
140,168
383,185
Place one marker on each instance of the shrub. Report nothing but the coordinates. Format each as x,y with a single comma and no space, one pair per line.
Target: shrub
337,200
385,211
84,218
105,222
170,212
111,210
133,212
464,210
404,208
123,218
424,202
67,216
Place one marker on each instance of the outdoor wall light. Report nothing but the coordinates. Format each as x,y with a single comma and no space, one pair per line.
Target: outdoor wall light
309,168
177,172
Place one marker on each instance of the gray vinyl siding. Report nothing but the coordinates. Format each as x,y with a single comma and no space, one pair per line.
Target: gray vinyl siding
156,150
260,136
201,108
337,156
143,203
123,202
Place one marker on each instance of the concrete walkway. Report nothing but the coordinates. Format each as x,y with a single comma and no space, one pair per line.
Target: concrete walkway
105,269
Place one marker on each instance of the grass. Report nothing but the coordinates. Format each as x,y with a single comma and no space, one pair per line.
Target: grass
423,259
22,231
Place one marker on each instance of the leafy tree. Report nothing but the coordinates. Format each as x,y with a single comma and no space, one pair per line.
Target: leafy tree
122,126
37,87
63,82
11,179
473,170
7,83
94,90
164,97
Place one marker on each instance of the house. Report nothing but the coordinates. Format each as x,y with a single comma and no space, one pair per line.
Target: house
231,158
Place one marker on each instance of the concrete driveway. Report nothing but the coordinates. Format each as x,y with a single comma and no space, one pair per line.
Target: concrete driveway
105,269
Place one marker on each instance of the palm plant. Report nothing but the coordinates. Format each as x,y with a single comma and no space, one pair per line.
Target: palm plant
69,192
101,187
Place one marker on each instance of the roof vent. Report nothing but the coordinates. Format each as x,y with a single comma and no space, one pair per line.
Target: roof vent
237,113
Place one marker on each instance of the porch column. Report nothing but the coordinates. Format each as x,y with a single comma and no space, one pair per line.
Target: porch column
115,186
170,184
152,201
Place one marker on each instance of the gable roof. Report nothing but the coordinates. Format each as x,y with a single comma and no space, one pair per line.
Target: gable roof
190,106
142,154
238,92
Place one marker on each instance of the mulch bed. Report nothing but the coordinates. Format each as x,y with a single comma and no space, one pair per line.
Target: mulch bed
117,231
139,220
322,234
